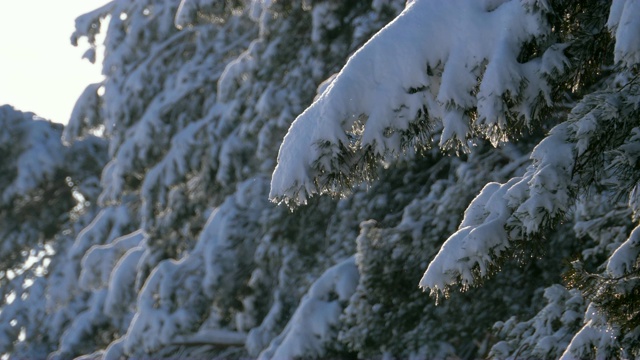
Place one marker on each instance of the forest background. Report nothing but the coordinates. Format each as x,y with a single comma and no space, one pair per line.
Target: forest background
318,178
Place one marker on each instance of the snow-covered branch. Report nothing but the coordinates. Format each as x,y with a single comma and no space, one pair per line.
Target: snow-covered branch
416,73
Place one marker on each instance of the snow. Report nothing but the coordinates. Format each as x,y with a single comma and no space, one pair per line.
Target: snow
624,258
86,25
42,152
524,205
624,23
468,253
110,223
84,116
122,286
82,326
157,321
311,325
186,253
99,260
173,167
374,86
595,338
550,181
545,335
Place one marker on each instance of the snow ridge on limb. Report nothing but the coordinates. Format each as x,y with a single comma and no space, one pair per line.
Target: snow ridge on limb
412,76
574,155
505,213
313,323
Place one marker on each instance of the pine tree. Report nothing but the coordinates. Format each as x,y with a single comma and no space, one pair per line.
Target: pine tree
187,238
48,191
177,252
567,65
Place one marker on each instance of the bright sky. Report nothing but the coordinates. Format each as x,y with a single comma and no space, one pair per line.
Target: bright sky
40,71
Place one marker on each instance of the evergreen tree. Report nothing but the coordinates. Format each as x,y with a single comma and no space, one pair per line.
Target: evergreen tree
177,252
187,254
48,192
556,65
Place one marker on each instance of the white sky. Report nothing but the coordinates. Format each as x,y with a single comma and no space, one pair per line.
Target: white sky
40,71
